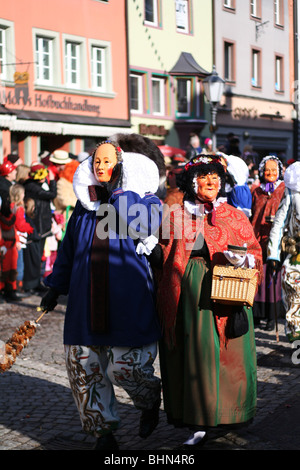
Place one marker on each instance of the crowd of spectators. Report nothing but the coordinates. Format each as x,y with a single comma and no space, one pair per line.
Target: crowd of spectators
36,203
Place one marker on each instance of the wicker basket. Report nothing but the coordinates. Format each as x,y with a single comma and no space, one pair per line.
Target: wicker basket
234,286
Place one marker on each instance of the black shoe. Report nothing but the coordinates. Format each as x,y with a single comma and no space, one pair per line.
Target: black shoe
12,296
106,442
270,325
149,420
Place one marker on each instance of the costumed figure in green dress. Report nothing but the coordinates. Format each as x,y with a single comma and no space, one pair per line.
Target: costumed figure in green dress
208,369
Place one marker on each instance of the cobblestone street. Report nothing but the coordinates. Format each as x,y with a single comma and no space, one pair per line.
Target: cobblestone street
38,411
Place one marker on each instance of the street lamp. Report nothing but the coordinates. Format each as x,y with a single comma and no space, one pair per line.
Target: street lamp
213,89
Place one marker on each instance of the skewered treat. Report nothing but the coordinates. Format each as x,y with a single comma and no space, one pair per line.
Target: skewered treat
15,345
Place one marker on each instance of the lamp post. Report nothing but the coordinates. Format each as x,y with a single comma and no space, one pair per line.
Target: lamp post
213,89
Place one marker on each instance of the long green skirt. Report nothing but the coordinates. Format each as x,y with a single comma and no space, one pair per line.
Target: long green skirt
204,383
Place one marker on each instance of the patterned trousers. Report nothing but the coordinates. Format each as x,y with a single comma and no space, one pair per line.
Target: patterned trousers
94,370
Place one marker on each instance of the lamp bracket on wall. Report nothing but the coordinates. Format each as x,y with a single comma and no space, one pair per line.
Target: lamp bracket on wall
259,28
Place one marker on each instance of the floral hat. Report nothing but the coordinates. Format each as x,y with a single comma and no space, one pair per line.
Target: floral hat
38,172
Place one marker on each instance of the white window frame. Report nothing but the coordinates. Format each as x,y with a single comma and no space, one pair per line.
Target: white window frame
154,21
182,16
139,80
72,57
254,8
95,63
82,82
278,73
229,61
40,62
9,57
107,83
161,95
3,55
255,60
278,7
255,68
188,97
55,59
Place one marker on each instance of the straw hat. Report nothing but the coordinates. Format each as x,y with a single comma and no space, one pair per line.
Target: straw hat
61,157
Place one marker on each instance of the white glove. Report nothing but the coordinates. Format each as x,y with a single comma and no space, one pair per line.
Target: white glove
146,246
233,258
245,261
3,250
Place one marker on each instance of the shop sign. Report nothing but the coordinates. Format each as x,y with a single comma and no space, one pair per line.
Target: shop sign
245,113
152,129
20,96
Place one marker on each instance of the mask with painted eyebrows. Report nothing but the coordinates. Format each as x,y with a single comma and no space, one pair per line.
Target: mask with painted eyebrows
104,162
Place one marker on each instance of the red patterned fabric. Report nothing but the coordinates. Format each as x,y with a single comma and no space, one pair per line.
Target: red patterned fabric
232,227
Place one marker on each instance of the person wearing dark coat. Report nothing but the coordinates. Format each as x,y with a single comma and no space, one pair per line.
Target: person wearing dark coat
42,193
8,172
111,326
31,254
36,189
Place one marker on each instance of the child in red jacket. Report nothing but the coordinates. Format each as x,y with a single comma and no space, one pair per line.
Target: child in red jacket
23,228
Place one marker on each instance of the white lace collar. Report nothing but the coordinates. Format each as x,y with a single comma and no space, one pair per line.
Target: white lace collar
197,209
140,175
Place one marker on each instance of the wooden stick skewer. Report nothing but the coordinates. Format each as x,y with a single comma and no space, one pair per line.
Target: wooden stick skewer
39,309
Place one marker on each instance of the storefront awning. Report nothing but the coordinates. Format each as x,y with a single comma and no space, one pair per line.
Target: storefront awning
48,123
58,128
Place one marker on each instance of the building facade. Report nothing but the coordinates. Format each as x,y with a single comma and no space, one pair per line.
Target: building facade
64,75
254,55
170,52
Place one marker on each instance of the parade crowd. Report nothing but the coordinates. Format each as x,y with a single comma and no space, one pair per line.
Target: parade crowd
36,203
150,294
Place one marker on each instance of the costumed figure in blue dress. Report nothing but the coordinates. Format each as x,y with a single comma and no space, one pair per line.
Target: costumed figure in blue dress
237,189
103,264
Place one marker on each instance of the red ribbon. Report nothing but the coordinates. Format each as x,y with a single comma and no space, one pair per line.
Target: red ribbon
209,207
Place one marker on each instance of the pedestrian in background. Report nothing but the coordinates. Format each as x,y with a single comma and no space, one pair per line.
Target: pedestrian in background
265,202
32,253
194,146
37,188
284,248
57,161
22,173
17,193
238,191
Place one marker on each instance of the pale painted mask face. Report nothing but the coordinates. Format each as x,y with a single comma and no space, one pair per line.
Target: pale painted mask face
104,162
271,171
208,187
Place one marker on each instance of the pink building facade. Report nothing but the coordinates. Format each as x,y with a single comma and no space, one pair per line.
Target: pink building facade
63,75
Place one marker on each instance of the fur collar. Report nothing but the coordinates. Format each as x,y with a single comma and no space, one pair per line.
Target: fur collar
140,175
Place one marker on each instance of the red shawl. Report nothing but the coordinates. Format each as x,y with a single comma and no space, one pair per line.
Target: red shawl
232,227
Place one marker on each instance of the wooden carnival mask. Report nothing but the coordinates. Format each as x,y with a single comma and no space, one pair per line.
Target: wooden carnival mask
271,172
104,162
